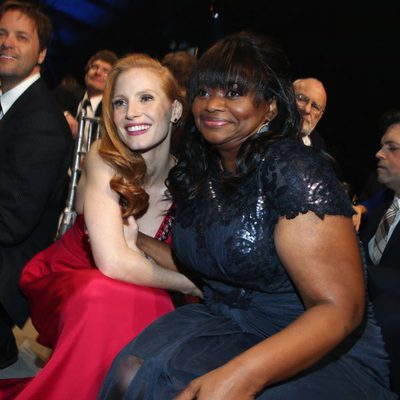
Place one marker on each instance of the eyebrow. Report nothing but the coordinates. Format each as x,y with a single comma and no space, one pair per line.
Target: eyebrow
24,33
17,32
390,142
146,91
310,99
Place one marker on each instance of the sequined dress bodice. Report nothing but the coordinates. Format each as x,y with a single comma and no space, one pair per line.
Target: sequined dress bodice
229,239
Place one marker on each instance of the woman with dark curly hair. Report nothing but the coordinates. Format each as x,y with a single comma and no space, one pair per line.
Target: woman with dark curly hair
93,290
264,223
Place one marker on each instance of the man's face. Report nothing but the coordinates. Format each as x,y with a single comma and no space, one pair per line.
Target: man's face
20,56
96,75
389,158
311,102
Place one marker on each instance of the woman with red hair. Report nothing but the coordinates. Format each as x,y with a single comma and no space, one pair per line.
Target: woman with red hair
93,290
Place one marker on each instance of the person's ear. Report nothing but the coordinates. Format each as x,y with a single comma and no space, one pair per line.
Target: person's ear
272,110
177,110
42,56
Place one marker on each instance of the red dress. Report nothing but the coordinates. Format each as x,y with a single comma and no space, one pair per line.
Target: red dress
84,316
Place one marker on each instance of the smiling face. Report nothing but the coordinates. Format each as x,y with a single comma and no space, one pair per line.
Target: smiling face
96,75
142,112
226,118
20,55
389,159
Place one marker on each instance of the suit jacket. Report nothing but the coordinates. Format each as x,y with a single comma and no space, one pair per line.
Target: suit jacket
384,288
384,278
99,109
35,148
391,254
317,141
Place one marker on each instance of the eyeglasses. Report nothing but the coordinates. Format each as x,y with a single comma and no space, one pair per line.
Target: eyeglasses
99,68
303,100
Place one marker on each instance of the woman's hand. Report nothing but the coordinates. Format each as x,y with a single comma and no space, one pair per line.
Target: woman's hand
131,231
229,382
194,291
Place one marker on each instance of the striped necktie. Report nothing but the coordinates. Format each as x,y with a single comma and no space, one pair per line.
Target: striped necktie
381,236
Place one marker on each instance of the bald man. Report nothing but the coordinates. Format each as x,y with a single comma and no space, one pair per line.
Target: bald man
311,102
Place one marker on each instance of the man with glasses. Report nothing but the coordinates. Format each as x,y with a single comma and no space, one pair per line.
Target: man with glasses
311,102
97,70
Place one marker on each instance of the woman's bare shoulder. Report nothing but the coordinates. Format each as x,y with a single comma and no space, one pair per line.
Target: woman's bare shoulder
94,163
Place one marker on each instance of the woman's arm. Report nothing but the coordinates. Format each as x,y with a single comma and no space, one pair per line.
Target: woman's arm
110,250
160,252
323,260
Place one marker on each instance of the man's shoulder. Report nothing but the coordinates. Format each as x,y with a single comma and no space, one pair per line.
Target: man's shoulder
317,141
38,94
37,103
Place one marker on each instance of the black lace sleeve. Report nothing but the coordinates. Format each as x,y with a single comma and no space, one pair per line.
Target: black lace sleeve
297,179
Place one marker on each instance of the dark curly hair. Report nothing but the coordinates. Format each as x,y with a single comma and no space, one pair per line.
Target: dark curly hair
256,65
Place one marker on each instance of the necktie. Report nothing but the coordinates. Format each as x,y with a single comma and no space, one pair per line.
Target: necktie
87,106
381,236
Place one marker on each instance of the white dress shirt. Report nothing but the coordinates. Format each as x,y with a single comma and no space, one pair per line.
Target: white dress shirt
9,98
306,140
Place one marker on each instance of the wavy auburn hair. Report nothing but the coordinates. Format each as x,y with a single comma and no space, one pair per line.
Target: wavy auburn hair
129,165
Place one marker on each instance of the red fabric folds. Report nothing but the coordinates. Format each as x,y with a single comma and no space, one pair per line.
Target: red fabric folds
86,318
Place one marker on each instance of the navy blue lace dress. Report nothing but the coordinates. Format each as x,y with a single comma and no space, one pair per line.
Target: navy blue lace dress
227,240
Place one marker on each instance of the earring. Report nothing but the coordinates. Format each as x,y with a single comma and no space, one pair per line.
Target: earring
264,127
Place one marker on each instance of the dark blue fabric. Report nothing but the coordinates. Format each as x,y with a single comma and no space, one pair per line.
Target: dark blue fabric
227,240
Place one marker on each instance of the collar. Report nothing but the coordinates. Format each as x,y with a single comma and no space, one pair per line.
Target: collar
9,98
94,100
306,140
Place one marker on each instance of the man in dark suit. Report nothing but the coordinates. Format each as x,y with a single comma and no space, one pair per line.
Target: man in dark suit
34,151
311,102
381,238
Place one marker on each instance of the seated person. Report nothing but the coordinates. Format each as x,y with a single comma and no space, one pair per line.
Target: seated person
311,101
380,235
94,290
285,315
